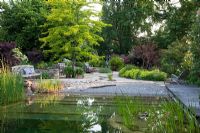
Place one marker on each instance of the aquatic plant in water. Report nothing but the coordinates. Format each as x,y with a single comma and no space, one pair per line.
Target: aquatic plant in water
11,87
167,117
49,85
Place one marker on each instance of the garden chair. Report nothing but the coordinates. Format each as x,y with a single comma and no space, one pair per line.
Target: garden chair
27,71
61,67
88,68
179,79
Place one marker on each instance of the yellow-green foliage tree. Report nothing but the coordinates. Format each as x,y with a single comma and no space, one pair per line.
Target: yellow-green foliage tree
72,32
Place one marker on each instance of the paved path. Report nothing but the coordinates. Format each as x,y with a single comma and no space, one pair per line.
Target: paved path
98,84
140,88
188,95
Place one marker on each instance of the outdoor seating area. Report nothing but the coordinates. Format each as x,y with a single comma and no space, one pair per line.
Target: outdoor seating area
26,71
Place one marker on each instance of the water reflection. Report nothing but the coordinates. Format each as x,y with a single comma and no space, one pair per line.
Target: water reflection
57,114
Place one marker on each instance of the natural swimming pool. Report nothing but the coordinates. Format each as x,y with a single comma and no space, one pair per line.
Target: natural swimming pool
59,113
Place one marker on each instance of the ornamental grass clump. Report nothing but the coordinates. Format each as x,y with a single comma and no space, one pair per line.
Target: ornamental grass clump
11,87
48,86
116,63
110,77
70,72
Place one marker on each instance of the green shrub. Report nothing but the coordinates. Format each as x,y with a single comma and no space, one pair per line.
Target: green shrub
110,77
45,75
126,74
68,71
124,69
79,71
193,78
69,63
97,62
136,73
177,57
105,70
154,75
11,88
42,65
80,64
116,63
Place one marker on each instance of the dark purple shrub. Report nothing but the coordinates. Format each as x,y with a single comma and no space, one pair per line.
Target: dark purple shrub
34,56
125,59
147,54
6,54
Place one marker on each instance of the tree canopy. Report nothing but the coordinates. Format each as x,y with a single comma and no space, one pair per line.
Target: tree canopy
71,32
20,22
128,18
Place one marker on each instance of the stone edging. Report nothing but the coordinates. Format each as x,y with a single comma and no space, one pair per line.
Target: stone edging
100,86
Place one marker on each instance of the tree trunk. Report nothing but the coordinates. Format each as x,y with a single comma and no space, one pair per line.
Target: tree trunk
74,60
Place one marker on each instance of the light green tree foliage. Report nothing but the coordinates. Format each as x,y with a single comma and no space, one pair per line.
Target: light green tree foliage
71,31
20,56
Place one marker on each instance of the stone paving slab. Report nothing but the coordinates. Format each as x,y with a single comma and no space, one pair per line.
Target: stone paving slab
188,95
136,88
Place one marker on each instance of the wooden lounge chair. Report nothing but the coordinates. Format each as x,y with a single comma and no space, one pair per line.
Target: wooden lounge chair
179,79
88,68
27,71
61,67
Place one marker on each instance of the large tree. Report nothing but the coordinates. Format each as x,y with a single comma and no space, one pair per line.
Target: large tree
128,19
195,75
178,22
72,33
20,22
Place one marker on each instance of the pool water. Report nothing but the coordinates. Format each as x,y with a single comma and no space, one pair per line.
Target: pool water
65,114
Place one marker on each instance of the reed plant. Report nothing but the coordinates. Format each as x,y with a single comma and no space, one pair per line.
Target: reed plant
168,116
11,87
49,85
110,77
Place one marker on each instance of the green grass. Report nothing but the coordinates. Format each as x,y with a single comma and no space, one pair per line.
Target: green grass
11,88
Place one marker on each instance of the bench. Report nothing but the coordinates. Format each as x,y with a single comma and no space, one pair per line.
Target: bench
27,71
179,79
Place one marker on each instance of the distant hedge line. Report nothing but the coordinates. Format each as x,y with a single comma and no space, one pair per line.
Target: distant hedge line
133,72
